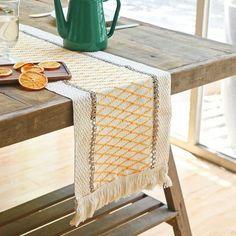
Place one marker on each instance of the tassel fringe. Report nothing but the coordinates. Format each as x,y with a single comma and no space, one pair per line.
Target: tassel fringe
121,187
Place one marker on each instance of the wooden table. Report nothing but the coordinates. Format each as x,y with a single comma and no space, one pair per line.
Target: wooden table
192,62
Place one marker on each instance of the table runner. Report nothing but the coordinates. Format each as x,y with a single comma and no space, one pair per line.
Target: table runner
121,112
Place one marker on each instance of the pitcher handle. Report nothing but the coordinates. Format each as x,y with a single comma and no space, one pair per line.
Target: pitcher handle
115,18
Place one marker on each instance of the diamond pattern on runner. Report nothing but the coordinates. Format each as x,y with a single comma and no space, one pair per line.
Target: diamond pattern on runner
123,143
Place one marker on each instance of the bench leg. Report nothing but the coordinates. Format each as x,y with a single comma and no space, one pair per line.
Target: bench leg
175,202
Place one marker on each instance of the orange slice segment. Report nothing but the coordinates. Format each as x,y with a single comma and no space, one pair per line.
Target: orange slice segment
18,65
33,80
50,65
32,68
5,72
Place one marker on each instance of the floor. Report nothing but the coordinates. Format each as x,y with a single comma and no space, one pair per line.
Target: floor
35,167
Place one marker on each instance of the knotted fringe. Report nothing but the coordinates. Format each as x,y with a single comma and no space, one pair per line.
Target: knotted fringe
121,187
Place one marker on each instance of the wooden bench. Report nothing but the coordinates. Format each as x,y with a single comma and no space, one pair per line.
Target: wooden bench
51,214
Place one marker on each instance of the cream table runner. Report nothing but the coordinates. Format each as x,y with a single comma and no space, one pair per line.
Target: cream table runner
121,113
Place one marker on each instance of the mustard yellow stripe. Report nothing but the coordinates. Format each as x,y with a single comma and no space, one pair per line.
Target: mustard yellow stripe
118,149
124,128
115,151
129,132
117,165
142,86
137,94
122,99
142,143
124,120
123,109
125,159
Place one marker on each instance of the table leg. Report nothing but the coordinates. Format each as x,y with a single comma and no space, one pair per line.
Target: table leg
175,202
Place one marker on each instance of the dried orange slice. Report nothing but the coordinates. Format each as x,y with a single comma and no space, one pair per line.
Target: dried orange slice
34,68
33,80
50,65
5,72
18,65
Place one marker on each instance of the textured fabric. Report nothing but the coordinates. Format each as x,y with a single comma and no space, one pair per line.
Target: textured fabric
121,113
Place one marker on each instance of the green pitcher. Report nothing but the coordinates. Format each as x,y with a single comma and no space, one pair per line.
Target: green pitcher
85,27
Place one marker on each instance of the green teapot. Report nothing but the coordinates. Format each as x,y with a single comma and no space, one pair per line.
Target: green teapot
85,27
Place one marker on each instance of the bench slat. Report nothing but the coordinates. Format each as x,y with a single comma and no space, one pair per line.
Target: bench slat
119,217
143,223
36,204
61,226
50,215
38,218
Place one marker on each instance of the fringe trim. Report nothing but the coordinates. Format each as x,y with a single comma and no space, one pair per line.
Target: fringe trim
121,187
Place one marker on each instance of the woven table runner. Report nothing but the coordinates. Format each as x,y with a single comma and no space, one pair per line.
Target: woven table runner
121,112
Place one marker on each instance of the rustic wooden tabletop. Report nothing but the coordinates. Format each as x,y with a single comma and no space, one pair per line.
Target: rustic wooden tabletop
192,62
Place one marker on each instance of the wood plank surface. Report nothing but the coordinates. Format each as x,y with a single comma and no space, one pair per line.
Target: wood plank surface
109,222
190,59
63,225
43,112
9,104
39,218
143,223
50,215
36,205
192,62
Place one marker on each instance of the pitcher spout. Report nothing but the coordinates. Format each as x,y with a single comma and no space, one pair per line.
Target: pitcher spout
60,19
